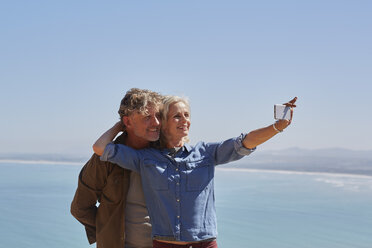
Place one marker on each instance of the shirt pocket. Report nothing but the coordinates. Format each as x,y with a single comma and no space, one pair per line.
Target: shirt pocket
198,175
156,174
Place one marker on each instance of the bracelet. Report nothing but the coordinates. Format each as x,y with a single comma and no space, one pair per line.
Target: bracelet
277,130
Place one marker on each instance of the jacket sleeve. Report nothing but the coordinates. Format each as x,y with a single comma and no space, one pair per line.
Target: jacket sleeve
92,179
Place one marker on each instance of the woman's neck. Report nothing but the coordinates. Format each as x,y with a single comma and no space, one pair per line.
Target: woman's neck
175,143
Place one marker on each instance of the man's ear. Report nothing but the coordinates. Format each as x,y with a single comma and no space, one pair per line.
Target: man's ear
127,121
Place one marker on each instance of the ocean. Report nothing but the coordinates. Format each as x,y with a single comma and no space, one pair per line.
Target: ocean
255,208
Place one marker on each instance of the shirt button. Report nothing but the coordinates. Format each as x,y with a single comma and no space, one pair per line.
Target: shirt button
178,200
177,169
177,184
178,216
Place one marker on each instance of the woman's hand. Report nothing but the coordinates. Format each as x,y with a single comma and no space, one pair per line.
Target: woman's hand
291,103
259,136
283,124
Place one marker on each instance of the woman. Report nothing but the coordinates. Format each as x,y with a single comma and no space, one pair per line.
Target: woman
178,179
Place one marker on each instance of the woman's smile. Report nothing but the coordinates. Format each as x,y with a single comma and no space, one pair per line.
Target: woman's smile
178,123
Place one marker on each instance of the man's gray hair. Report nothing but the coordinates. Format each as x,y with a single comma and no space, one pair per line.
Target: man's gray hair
137,100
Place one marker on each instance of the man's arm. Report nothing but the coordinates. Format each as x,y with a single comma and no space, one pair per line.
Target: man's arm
92,179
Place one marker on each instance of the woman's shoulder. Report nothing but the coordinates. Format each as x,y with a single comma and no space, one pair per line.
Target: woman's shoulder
198,147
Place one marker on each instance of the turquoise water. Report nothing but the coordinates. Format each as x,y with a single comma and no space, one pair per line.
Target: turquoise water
255,209
293,210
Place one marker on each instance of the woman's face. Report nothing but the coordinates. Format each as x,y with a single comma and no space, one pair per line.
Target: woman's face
178,121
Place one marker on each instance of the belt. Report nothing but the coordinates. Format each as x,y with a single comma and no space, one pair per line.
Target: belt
201,244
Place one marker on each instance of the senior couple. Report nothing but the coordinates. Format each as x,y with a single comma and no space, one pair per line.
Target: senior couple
153,188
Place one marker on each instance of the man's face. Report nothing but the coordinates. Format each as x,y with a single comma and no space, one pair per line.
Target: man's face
146,125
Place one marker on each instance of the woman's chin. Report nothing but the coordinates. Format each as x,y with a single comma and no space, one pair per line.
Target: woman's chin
182,135
185,133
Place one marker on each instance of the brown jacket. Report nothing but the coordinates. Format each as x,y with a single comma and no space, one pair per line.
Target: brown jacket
107,184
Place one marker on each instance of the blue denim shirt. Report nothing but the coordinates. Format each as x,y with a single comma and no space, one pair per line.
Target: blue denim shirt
179,189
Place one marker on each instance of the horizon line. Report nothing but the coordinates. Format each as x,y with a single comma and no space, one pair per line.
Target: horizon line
288,172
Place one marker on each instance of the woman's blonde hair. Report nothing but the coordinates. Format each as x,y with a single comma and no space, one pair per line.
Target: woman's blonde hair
167,102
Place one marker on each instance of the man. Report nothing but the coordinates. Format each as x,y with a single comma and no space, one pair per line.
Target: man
121,218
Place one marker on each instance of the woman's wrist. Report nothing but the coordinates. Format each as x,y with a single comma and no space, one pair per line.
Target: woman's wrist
276,129
280,125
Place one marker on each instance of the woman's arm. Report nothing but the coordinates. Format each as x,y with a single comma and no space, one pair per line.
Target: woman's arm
122,155
107,137
259,136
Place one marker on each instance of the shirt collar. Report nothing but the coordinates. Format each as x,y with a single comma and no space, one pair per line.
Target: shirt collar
187,147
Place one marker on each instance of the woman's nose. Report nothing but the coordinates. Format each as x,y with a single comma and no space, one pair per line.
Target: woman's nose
183,119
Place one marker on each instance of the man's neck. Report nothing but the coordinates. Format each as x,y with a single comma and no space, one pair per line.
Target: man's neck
136,142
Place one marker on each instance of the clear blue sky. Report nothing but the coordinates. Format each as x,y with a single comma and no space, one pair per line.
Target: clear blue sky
65,66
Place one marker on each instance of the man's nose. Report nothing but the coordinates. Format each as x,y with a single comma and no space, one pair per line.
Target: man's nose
155,121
